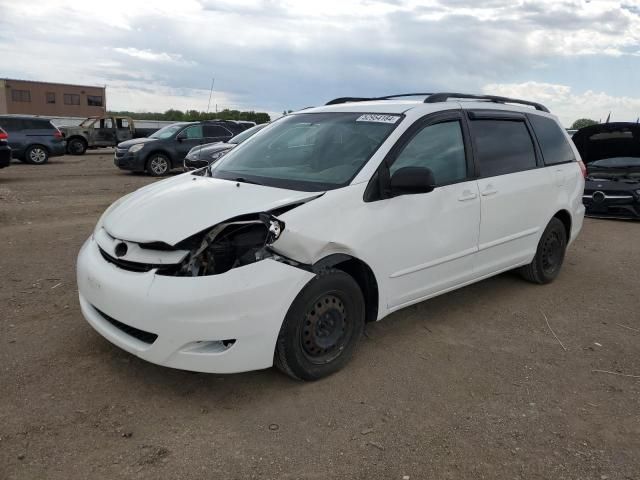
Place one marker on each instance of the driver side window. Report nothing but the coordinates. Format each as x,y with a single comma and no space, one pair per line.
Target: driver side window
440,148
193,132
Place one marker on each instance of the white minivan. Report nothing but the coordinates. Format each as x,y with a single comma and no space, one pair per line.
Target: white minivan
325,220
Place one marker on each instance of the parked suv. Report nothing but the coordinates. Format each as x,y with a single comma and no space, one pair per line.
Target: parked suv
5,149
284,250
33,139
166,148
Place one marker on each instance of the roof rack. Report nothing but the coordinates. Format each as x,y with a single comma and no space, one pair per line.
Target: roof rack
337,101
441,97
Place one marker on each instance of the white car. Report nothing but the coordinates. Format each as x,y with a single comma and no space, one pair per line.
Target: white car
325,220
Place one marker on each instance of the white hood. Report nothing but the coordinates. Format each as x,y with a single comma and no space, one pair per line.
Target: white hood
172,210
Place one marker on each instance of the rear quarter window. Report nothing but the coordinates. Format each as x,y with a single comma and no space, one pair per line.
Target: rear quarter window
553,143
11,124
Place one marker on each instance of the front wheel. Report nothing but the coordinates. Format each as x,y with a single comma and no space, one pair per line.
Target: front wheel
545,266
36,155
322,327
76,146
158,165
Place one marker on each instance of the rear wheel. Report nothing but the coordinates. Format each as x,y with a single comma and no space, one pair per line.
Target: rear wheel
158,165
545,266
76,146
36,155
322,327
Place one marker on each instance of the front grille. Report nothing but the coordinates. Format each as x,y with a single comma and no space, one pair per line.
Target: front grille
125,264
145,337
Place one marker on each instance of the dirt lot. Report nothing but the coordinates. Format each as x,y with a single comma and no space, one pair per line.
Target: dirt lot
469,385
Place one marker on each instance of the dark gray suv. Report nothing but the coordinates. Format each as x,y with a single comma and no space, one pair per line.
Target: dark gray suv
33,139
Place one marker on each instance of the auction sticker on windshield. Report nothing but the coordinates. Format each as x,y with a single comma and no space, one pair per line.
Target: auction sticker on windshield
378,118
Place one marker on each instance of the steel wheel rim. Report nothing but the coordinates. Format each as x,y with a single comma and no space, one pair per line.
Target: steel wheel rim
76,146
551,253
37,155
326,329
158,165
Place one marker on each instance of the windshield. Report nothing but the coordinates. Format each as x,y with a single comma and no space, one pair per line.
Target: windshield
241,137
168,131
308,151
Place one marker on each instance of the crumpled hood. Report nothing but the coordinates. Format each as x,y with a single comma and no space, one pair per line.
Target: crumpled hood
172,210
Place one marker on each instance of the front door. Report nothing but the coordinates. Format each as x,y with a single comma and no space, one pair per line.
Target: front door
190,137
104,133
429,240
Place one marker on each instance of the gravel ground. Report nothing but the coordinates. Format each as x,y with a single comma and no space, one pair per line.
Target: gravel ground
472,384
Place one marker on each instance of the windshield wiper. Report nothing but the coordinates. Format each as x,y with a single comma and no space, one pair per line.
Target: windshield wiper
244,180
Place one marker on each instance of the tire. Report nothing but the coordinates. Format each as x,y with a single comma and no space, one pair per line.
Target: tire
545,266
77,146
158,165
36,155
322,327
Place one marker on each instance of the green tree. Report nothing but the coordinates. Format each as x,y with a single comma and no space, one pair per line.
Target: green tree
583,122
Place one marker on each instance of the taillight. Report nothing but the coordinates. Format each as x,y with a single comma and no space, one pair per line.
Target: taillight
3,136
58,134
583,168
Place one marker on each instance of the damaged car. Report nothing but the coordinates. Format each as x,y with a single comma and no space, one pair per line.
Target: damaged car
611,152
280,252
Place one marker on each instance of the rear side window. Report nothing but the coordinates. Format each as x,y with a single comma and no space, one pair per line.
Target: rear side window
36,124
553,143
216,131
438,147
502,146
11,124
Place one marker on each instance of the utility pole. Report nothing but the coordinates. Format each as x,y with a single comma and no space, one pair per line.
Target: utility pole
213,81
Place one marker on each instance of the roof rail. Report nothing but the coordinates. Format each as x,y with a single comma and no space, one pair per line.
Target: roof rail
337,101
443,97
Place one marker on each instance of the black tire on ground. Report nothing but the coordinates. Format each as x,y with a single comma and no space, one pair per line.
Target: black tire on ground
36,155
322,327
76,146
158,165
545,266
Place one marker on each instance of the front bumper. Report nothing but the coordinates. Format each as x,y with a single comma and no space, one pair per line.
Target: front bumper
190,164
125,160
611,205
191,316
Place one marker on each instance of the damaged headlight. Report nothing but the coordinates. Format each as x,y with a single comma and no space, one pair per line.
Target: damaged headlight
228,245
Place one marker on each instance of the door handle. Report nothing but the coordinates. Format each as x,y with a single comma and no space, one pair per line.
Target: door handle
489,191
467,195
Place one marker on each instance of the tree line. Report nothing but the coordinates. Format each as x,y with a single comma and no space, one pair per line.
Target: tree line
194,115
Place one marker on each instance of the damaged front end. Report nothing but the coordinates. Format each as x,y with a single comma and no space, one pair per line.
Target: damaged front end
228,245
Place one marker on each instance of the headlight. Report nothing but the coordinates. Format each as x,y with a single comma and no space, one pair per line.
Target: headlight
217,155
638,192
136,148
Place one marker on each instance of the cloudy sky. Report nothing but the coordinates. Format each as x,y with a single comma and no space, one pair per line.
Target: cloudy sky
580,57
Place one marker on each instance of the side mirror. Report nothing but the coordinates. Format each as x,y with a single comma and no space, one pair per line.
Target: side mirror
411,180
181,136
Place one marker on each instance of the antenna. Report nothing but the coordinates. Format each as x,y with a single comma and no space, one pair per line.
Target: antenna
213,81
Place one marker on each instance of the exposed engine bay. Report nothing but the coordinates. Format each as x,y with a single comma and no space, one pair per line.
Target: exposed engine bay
228,245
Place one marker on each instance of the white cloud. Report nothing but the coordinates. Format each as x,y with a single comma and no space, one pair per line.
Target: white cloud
568,105
152,56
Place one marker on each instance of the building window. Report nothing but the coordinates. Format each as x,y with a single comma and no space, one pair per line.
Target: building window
71,99
21,95
50,97
94,100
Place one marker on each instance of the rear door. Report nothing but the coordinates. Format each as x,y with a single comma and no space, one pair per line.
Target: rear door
515,189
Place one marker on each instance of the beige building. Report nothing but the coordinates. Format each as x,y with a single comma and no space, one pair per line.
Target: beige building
51,99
